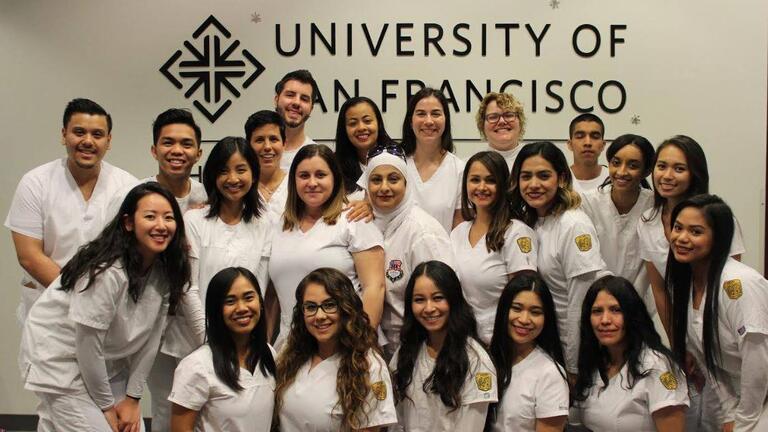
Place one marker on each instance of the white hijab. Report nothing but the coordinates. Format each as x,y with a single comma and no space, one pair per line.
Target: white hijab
388,221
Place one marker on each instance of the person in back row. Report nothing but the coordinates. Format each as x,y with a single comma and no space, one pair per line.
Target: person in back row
501,120
295,96
586,139
61,205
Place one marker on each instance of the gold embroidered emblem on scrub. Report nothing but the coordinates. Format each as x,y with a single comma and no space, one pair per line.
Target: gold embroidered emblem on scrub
668,380
524,243
584,242
733,288
483,381
379,390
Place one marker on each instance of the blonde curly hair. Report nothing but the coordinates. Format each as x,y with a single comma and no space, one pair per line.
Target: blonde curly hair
505,101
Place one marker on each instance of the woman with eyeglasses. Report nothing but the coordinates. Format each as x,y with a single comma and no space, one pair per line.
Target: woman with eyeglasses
500,119
569,251
315,232
411,236
444,378
428,145
720,313
228,383
331,376
490,246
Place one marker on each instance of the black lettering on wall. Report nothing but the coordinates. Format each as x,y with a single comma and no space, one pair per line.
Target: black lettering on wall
279,44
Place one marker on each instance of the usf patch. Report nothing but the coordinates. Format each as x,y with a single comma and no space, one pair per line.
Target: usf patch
584,242
733,288
379,390
484,381
524,243
668,380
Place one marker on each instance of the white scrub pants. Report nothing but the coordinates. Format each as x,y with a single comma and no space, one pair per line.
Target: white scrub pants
77,412
704,412
28,298
160,382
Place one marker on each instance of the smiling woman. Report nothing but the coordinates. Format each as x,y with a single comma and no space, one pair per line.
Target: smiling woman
90,339
331,376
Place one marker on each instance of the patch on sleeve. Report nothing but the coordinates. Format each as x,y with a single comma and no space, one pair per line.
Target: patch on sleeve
742,330
484,381
733,288
524,243
668,380
584,242
395,270
379,390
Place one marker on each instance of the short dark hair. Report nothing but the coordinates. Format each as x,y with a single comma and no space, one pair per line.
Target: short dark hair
585,117
302,76
175,116
261,118
85,106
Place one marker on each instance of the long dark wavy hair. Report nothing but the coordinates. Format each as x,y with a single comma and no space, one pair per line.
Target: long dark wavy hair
452,363
639,334
409,137
697,165
217,160
678,279
225,359
502,347
346,153
566,197
646,149
355,339
500,210
117,243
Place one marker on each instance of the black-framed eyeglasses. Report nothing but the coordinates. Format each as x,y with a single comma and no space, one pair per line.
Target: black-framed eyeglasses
508,116
392,149
328,306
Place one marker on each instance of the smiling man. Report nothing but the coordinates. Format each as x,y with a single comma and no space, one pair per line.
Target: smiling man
176,149
63,204
295,96
586,140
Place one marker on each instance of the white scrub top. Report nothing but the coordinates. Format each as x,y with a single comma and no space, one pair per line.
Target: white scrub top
295,254
537,390
743,309
196,196
311,403
419,238
276,204
568,247
49,206
510,156
619,409
48,359
214,246
654,246
484,274
425,412
582,186
440,195
287,158
196,387
619,240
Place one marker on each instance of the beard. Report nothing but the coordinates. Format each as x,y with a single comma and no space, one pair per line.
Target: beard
290,123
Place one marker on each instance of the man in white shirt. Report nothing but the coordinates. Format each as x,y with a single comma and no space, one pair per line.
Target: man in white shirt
295,96
586,141
176,148
63,204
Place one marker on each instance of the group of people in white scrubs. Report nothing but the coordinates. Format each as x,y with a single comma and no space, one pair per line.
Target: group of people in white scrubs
388,285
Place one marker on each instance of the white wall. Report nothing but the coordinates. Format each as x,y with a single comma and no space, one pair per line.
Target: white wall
691,67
